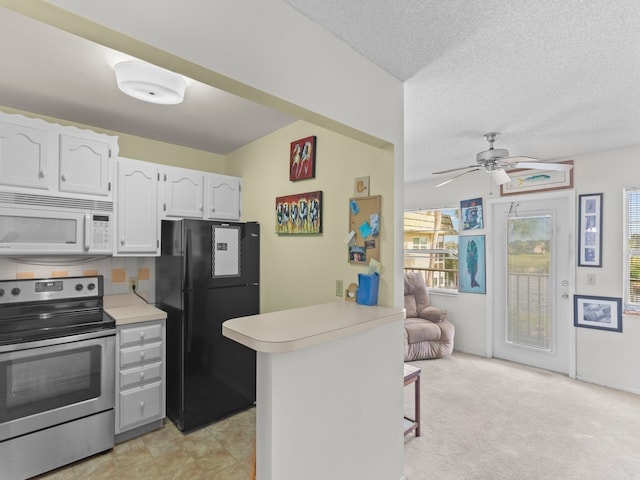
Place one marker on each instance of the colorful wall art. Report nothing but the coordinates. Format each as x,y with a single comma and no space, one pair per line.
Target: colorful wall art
302,159
299,213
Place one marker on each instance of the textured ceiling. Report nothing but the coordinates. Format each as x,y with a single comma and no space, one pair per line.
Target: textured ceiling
556,78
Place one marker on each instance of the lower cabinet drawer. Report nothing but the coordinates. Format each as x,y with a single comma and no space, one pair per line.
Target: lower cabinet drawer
140,404
140,375
137,355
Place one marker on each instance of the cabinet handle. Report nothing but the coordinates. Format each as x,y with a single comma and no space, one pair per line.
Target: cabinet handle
164,207
141,375
141,355
200,207
141,335
213,209
42,173
64,177
142,405
122,240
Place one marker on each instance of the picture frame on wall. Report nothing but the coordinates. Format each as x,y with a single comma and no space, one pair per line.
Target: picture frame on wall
302,159
601,313
472,264
590,230
471,214
539,180
300,213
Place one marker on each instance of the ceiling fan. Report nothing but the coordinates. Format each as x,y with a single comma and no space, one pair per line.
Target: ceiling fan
495,160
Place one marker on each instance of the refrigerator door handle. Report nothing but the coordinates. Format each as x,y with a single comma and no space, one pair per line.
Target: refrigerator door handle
188,285
188,270
189,315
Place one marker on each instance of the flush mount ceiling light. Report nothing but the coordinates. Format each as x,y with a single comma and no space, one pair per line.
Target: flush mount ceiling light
150,83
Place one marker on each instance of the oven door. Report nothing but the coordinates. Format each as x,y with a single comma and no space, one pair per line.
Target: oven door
51,382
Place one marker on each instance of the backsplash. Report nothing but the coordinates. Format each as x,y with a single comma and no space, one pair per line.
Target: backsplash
115,270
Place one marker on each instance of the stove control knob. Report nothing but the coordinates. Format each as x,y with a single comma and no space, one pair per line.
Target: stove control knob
79,287
1,292
15,291
91,286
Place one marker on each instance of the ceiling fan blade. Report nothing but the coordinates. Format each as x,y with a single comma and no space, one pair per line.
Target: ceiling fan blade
456,176
542,166
499,176
455,169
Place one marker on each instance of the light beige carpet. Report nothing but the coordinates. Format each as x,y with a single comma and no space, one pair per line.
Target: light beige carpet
491,419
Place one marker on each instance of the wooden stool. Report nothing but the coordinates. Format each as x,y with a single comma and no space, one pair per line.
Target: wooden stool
412,375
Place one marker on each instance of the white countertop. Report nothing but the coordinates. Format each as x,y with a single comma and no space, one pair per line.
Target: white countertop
297,328
129,308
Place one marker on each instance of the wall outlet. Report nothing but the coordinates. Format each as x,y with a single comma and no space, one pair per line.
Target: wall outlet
339,289
133,284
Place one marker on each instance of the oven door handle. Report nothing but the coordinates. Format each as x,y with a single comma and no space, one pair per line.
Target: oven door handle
57,340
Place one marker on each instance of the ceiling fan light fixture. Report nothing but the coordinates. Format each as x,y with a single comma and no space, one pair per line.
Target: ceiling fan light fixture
150,83
500,176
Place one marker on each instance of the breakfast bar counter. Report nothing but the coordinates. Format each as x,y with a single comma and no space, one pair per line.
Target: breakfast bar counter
329,391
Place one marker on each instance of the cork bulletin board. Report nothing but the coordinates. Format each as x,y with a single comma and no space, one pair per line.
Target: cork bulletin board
364,221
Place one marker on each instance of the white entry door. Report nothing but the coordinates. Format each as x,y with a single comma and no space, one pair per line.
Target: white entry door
533,271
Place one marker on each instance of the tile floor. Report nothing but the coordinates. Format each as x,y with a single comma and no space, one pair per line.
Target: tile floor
221,451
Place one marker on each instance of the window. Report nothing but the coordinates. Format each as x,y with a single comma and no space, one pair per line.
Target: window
431,246
632,250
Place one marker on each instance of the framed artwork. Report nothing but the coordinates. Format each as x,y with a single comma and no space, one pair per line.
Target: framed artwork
471,264
529,181
590,230
302,159
361,187
601,313
299,214
471,213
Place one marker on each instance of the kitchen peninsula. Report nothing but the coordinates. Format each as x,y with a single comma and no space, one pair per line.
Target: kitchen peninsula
329,391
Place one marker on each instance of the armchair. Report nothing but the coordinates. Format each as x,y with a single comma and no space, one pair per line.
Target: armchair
428,332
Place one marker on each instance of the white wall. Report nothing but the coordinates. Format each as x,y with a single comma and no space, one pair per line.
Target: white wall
602,357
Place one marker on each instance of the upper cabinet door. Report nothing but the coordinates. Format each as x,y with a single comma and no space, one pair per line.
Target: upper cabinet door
26,156
183,192
85,166
137,202
223,197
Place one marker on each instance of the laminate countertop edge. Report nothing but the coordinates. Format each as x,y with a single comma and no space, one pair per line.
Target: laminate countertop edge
129,308
294,329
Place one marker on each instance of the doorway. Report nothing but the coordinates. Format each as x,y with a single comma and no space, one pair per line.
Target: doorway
533,267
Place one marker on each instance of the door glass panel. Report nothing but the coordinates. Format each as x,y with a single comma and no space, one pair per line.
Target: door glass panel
529,319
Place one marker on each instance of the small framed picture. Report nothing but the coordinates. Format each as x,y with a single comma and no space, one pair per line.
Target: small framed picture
302,159
590,230
601,313
471,213
361,187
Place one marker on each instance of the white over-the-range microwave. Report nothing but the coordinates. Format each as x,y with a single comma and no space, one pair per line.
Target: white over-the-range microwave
43,225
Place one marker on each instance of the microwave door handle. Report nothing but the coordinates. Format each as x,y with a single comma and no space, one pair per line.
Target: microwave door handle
87,231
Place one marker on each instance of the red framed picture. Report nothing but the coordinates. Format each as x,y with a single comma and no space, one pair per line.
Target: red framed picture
299,214
302,159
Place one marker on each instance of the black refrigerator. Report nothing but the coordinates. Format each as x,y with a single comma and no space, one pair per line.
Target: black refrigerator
207,273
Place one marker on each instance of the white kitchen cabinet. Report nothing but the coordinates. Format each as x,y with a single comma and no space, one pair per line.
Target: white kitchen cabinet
222,197
140,382
181,193
85,166
38,157
26,155
138,222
